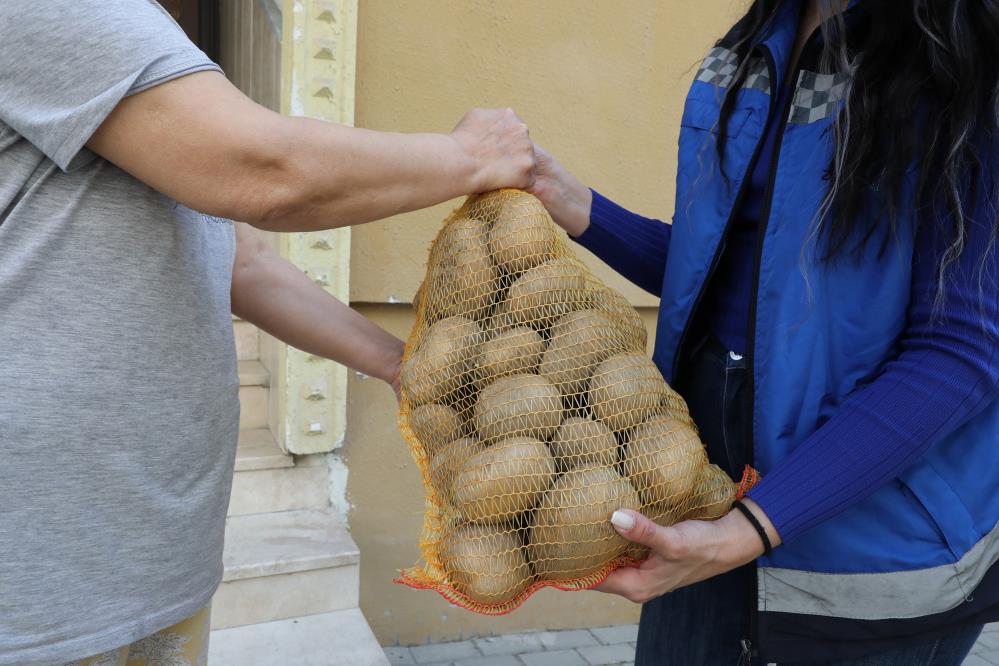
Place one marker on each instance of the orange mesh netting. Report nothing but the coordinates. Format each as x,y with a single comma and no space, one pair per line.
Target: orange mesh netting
533,413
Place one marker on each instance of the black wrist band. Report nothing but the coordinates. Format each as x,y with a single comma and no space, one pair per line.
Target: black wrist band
767,548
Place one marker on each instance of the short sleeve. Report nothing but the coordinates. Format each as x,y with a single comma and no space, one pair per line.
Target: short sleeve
65,65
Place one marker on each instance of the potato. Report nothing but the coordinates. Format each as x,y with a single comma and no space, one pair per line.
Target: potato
579,341
459,291
546,292
712,495
487,206
581,442
509,352
462,280
623,314
571,536
435,425
626,389
499,321
496,484
441,363
448,461
711,498
663,458
522,234
461,236
523,404
485,564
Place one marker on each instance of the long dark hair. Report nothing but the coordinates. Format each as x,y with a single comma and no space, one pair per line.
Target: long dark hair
923,92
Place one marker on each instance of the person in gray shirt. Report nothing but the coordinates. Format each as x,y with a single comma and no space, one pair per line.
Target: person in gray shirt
124,153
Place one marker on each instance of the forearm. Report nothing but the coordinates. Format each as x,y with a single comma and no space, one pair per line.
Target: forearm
200,141
335,176
874,437
633,245
276,296
946,372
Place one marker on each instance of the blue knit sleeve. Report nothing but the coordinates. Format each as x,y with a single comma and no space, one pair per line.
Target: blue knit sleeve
946,372
632,245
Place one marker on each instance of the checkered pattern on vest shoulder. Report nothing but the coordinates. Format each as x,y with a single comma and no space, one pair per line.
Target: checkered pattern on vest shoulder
719,68
817,96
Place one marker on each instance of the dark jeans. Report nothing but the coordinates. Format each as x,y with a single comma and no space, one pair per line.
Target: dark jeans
706,624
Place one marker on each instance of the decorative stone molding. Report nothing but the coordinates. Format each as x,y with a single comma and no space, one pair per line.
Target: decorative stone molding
318,69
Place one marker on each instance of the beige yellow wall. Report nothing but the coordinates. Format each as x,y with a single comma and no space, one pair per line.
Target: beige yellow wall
601,84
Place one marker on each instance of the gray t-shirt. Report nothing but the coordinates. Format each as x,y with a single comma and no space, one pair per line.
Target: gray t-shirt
119,399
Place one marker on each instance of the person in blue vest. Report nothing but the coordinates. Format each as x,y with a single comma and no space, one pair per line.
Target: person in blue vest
829,309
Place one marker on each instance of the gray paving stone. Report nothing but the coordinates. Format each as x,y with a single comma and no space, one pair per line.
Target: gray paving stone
509,644
553,658
569,638
622,633
987,647
986,654
989,639
604,655
975,660
446,652
492,660
399,656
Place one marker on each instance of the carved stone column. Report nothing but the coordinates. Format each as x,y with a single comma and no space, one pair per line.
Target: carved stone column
318,67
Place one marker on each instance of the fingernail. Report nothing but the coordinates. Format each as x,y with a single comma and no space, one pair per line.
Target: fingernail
623,520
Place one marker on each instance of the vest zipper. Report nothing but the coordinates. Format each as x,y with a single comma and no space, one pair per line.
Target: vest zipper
749,645
716,258
747,649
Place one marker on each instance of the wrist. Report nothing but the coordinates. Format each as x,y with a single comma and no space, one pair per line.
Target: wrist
567,199
578,205
390,361
468,172
764,521
458,164
743,543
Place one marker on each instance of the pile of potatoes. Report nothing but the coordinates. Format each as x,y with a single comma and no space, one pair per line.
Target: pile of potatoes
536,411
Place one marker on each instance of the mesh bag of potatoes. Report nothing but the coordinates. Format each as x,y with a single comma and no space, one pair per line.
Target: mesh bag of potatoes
533,414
